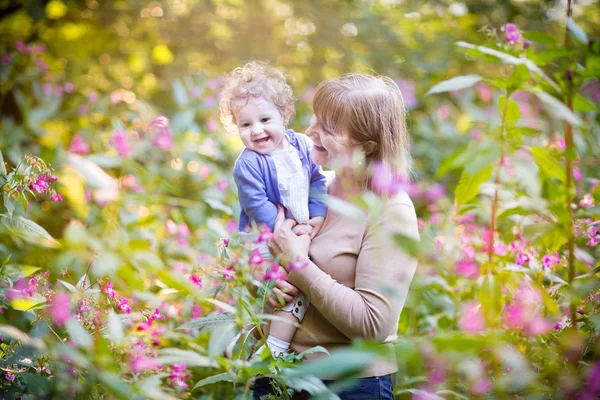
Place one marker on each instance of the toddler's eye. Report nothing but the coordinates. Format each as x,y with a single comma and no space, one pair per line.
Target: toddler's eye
245,125
265,119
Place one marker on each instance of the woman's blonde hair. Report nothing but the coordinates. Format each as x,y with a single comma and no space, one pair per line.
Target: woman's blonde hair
255,79
369,111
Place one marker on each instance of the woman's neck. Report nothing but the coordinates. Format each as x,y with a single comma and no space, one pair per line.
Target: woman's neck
346,184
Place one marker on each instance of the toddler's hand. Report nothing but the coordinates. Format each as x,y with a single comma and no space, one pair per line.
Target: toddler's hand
302,229
316,223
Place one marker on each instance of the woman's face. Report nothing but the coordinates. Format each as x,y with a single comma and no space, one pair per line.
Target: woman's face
330,149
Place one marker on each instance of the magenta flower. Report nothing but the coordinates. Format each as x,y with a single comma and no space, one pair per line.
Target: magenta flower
40,185
255,258
521,258
57,197
78,145
5,59
273,274
108,290
537,326
434,192
60,308
142,363
123,306
577,174
10,377
195,279
587,201
265,235
593,235
20,45
33,287
471,319
467,268
196,311
228,273
119,142
511,33
178,375
93,97
184,231
526,44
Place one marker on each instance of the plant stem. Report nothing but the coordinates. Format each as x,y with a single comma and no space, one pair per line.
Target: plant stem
497,182
568,180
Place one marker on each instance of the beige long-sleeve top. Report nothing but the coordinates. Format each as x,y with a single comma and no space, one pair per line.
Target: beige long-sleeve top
357,281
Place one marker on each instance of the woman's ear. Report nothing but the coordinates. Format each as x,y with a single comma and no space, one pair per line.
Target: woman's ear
370,147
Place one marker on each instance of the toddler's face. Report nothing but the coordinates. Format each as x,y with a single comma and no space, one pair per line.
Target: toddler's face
260,125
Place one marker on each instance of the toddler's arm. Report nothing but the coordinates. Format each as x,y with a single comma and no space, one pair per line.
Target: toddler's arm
253,194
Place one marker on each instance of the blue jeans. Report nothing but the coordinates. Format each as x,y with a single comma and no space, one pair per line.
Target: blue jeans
373,388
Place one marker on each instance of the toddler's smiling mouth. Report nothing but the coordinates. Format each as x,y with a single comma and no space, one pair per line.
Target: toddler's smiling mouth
261,140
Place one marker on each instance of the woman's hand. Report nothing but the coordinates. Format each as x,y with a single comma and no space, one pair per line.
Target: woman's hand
285,243
283,290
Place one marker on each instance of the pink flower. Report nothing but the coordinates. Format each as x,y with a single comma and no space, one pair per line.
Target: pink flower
20,45
443,112
78,145
222,185
526,44
226,242
129,182
587,201
547,262
184,231
484,91
123,306
228,273
482,386
196,311
108,290
142,363
385,181
178,375
160,122
537,326
57,197
84,109
10,377
511,33
164,140
60,308
298,264
577,174
435,192
265,235
560,144
408,90
33,287
93,97
212,125
273,274
119,142
467,268
255,258
471,319
5,59
171,227
69,87
521,258
195,279
593,235
40,185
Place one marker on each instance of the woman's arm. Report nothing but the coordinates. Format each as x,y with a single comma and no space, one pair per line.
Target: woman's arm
383,276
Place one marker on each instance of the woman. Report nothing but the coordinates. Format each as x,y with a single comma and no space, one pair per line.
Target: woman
356,277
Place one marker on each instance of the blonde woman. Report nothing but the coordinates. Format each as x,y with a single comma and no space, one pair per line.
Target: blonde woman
356,277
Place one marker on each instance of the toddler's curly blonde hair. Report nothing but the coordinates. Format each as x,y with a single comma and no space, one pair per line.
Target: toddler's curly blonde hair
255,79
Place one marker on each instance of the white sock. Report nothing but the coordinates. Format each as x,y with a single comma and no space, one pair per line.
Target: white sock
278,347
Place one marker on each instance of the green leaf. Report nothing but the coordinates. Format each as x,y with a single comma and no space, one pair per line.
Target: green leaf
522,130
115,328
313,350
18,271
209,322
339,363
556,107
187,357
546,56
220,339
449,163
8,203
540,37
2,165
225,376
411,246
548,164
456,83
93,174
491,299
70,287
576,31
116,384
29,230
218,205
468,186
107,264
78,333
310,384
580,103
519,77
512,110
180,94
